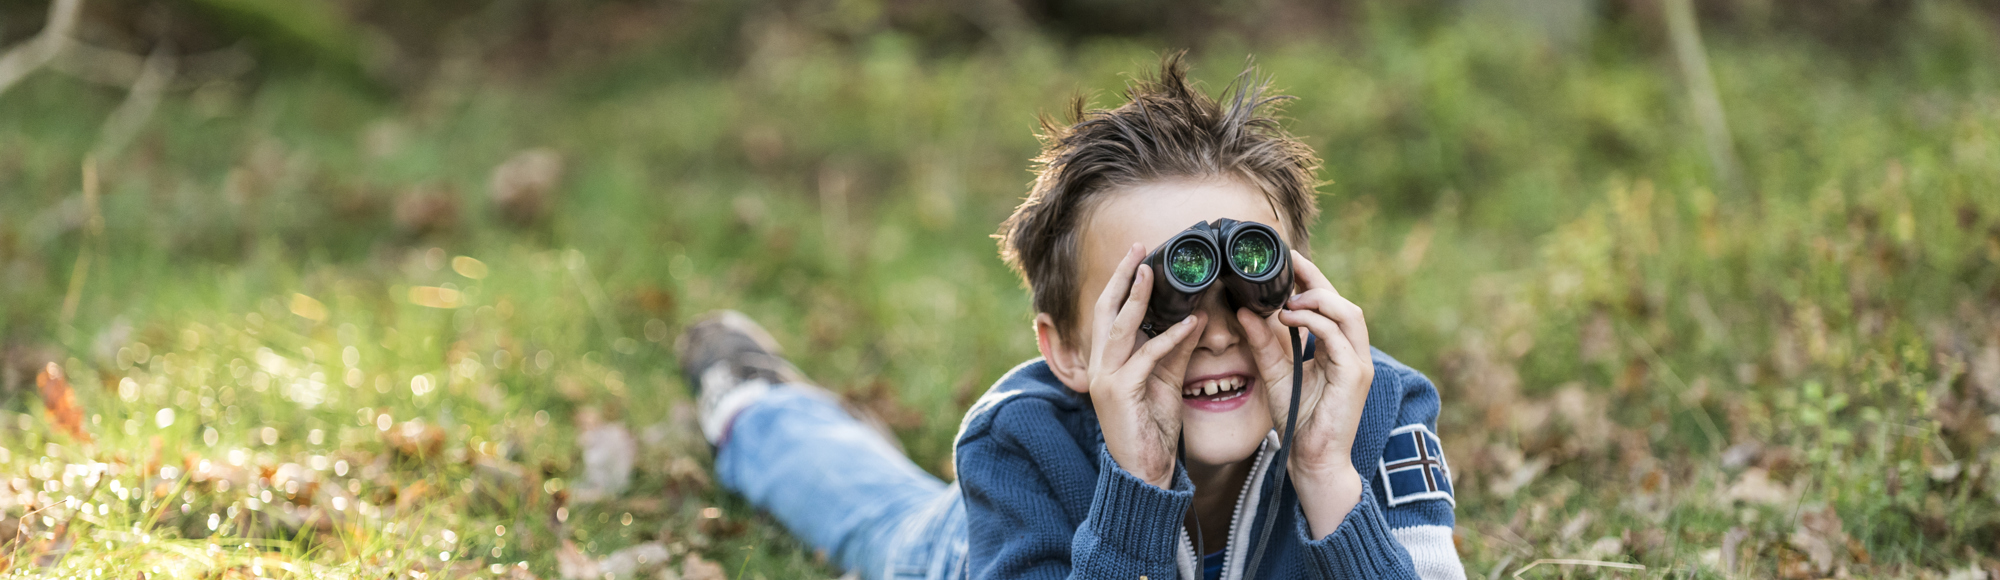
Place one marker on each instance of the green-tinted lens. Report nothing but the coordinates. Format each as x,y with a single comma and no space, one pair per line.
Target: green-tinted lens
1191,264
1253,254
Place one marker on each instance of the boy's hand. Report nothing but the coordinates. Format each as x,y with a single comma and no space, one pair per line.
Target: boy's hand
1332,395
1135,383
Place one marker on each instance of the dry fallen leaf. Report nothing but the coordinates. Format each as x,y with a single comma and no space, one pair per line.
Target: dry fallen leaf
635,560
684,472
695,568
1755,486
1732,549
1821,538
426,209
521,187
608,455
573,564
416,440
60,401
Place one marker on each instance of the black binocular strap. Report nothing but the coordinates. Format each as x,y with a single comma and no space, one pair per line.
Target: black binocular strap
1200,547
1291,424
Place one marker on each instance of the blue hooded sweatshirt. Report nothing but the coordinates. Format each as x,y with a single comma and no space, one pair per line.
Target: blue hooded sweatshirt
1044,499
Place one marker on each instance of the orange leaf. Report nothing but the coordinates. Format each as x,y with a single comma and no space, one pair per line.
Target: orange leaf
60,401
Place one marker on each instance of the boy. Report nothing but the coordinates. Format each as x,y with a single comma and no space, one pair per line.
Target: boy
1116,454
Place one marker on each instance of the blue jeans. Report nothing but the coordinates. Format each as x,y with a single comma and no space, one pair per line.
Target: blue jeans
837,485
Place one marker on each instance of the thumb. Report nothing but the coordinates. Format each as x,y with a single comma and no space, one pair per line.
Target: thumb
1271,353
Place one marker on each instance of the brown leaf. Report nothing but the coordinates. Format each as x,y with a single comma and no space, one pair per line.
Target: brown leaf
1647,544
408,496
609,454
427,209
1732,549
1755,486
1597,341
521,187
416,440
695,568
635,560
1821,538
60,401
655,300
1793,566
685,473
573,564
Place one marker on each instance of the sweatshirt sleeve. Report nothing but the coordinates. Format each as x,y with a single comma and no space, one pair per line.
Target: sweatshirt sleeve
1402,525
1411,478
1026,489
1132,527
1362,547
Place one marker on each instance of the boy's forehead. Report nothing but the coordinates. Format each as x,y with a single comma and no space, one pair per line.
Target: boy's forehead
1150,213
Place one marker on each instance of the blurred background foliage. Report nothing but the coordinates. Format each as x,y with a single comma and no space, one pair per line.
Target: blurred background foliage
1776,354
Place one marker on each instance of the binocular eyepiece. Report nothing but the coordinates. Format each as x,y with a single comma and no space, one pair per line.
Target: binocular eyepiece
1248,258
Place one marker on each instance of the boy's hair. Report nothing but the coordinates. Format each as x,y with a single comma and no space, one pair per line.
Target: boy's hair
1167,129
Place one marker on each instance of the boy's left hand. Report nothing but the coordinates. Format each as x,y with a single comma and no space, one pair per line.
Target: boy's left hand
1333,394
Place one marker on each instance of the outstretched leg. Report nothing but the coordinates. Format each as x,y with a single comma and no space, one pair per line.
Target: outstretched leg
791,450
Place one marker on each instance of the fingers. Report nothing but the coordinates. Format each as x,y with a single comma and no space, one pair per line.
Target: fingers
1117,288
1126,324
1267,347
1149,354
1105,311
1316,293
1255,329
1338,308
1173,367
1332,342
1306,274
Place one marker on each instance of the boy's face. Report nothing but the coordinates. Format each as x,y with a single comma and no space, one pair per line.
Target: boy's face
1221,429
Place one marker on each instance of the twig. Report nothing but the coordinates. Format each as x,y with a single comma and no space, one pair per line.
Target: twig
1502,567
1715,439
1567,562
117,68
93,236
29,55
593,295
1708,113
131,115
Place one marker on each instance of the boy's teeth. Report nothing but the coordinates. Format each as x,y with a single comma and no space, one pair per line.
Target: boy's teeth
1213,386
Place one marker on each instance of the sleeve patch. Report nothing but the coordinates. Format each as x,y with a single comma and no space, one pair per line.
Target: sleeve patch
1412,467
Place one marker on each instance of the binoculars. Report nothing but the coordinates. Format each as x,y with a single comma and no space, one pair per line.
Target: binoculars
1247,258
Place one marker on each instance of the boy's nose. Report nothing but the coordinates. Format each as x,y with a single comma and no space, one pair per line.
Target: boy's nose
1220,333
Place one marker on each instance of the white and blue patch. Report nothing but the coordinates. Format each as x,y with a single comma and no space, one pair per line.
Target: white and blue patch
1413,468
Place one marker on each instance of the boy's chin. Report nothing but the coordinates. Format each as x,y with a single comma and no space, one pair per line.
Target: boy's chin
1224,446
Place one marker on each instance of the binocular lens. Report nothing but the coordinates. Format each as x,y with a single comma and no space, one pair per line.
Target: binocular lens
1191,264
1253,254
1247,259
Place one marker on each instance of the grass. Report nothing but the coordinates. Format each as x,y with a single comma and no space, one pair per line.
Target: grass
305,291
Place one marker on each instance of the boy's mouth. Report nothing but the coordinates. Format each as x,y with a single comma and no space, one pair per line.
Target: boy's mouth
1216,393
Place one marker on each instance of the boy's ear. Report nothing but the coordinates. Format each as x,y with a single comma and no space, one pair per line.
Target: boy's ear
1066,360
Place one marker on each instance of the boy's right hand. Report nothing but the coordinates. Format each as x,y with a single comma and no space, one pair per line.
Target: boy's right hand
1135,382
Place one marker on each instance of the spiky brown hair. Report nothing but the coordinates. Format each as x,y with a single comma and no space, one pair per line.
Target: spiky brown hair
1166,129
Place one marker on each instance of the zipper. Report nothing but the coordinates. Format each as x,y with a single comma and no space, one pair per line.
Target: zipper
1232,555
1190,566
1235,545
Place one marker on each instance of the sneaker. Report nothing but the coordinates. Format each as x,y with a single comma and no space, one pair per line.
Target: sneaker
729,362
